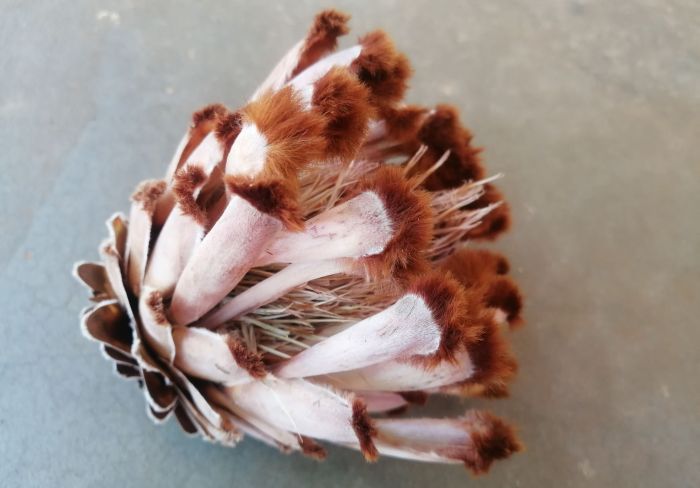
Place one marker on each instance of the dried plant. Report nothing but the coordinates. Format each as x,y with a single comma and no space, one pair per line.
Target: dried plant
301,273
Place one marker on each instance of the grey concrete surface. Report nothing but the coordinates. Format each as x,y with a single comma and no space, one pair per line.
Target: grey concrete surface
591,109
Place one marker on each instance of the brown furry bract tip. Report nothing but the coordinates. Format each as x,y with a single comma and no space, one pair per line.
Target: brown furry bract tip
155,303
273,197
295,136
450,306
245,358
147,194
208,115
322,37
186,181
494,366
227,128
344,103
203,122
382,68
412,220
502,293
403,123
492,439
442,131
484,271
364,429
472,266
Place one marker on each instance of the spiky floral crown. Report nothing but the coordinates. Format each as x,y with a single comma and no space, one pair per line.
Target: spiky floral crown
301,274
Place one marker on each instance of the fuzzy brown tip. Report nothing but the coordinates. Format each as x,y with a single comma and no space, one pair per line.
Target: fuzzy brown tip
203,122
311,448
273,197
295,136
245,358
155,303
322,37
502,293
494,366
442,131
147,194
473,266
450,305
384,70
496,222
186,181
364,429
228,127
208,114
411,216
492,439
489,352
344,103
483,271
403,123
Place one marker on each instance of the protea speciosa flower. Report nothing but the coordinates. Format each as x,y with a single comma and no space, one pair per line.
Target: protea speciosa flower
305,271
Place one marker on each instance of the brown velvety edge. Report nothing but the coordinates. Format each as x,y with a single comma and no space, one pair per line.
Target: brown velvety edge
409,209
382,68
364,429
344,103
322,37
147,194
272,197
186,181
492,439
245,358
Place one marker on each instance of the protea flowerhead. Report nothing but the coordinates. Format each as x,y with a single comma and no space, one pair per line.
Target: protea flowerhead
301,273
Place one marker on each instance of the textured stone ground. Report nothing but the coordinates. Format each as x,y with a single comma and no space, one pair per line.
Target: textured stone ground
592,111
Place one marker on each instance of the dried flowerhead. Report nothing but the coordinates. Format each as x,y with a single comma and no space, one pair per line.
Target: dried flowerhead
304,271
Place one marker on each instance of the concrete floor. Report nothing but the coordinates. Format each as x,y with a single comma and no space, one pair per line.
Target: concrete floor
591,109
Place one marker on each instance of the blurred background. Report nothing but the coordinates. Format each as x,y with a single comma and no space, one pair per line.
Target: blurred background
590,108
